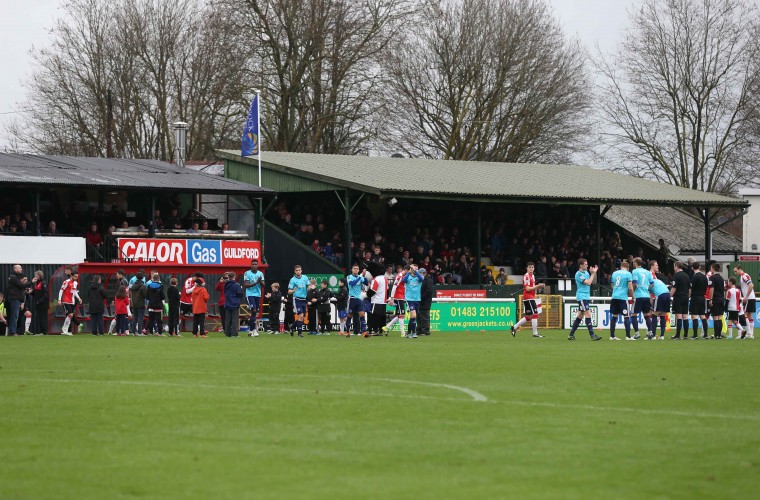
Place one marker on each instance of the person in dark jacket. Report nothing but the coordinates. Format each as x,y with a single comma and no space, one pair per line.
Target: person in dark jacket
137,299
426,302
96,300
312,303
154,295
41,304
341,304
172,296
15,298
275,306
233,294
323,308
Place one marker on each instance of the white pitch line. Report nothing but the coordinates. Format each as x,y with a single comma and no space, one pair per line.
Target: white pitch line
676,413
475,395
246,388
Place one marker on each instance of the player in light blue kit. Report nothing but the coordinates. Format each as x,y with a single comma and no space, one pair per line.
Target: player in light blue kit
583,281
642,304
253,282
355,303
622,288
297,287
661,304
413,283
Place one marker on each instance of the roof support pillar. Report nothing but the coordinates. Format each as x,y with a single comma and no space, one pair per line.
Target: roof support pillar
478,246
37,219
152,227
347,252
600,214
708,237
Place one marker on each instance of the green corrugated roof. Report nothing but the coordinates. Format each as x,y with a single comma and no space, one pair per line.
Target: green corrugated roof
483,181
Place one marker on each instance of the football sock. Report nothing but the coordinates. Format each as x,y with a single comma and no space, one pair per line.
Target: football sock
613,323
686,328
750,326
66,324
112,326
679,324
391,322
590,327
401,325
534,324
627,323
413,325
521,323
704,327
648,320
662,325
363,324
635,322
576,324
718,327
27,324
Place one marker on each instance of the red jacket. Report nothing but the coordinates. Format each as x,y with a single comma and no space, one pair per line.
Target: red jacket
220,288
122,305
200,298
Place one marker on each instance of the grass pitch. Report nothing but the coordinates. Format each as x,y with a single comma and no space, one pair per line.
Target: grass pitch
470,415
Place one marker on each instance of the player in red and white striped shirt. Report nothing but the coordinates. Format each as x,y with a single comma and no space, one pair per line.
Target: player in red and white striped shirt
748,299
734,308
530,306
68,297
397,298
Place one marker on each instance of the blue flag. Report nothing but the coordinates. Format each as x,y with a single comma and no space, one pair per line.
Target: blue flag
250,144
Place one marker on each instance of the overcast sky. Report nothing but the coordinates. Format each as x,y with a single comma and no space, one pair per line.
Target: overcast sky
21,28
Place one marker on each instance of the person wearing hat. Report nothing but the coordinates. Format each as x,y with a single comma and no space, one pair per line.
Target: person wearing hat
426,303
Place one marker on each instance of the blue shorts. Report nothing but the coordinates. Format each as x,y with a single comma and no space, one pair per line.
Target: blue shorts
253,303
299,306
583,305
619,306
413,305
662,303
642,305
342,313
355,305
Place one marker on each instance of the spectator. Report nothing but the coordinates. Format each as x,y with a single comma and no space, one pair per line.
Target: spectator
40,304
96,301
501,278
195,229
15,298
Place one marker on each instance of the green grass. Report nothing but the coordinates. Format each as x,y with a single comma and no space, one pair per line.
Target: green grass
327,417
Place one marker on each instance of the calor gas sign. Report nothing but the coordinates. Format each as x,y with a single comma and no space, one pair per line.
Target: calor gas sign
190,252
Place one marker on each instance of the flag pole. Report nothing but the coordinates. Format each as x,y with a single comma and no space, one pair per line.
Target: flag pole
258,127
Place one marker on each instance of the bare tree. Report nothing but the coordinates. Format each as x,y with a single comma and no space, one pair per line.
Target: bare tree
146,62
680,95
492,80
318,66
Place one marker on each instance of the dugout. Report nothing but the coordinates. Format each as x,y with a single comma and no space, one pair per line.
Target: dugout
477,188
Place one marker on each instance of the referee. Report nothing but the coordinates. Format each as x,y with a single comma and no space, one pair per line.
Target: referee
697,301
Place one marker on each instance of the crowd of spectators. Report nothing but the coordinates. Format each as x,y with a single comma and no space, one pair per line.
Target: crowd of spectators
101,239
443,241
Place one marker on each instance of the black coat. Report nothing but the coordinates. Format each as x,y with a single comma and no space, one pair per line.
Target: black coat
173,296
342,299
323,298
96,298
427,292
40,296
15,288
311,294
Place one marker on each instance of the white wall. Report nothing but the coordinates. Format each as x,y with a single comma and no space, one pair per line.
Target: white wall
751,235
42,250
